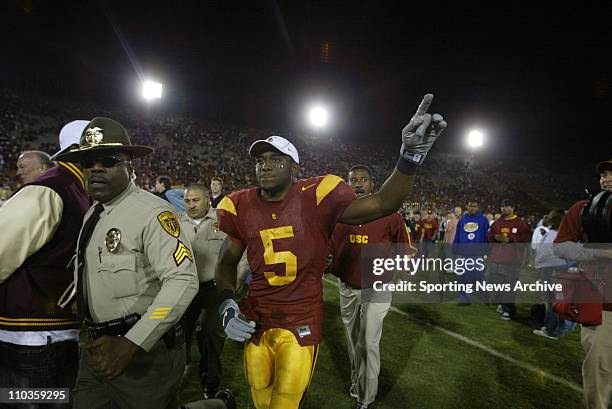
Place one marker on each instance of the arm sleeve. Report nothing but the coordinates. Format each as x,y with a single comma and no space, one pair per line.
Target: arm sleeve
570,232
172,260
492,232
227,219
27,222
333,196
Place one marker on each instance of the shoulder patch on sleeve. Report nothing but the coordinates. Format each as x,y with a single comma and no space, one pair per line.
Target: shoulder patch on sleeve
181,253
227,205
327,184
170,223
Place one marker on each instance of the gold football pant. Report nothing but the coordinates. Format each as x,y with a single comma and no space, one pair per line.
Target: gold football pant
279,369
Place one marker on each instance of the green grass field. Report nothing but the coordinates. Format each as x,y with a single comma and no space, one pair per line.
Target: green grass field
425,367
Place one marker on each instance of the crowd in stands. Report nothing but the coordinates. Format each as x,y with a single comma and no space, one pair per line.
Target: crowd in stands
190,150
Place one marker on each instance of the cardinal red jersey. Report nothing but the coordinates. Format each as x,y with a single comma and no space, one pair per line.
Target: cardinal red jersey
348,242
516,230
430,229
286,244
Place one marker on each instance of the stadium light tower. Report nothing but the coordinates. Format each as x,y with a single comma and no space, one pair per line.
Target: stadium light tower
318,116
475,139
151,90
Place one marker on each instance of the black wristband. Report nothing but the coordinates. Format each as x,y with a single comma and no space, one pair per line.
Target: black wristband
226,295
406,167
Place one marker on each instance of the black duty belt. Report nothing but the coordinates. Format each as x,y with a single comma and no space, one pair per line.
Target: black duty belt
175,336
208,284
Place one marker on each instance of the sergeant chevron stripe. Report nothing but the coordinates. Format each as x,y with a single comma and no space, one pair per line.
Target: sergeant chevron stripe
181,253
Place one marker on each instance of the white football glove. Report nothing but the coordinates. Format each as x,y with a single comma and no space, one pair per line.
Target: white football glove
236,326
421,132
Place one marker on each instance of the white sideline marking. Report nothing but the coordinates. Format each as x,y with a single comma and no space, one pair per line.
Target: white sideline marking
485,348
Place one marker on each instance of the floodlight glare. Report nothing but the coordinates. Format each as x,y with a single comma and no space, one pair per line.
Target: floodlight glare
318,116
151,90
475,139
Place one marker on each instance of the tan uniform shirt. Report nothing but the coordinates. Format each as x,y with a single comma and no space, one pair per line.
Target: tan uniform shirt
28,221
149,270
206,240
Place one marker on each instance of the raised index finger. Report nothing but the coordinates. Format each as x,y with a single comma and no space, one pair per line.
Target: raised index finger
424,105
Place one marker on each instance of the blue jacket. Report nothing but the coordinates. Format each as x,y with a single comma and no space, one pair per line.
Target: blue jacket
471,235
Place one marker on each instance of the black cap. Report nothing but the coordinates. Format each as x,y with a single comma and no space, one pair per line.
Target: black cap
507,202
603,166
103,135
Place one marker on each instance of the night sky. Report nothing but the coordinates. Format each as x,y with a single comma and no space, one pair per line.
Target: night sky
536,79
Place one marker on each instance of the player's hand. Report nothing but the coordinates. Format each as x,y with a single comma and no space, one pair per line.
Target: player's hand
421,132
236,326
110,355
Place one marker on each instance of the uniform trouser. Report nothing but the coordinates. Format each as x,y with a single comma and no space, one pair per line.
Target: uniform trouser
597,365
505,274
279,369
49,366
363,323
151,381
210,338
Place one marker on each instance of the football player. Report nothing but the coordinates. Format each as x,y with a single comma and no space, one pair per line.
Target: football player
285,227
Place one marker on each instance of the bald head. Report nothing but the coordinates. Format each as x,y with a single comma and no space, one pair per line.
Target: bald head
32,164
197,200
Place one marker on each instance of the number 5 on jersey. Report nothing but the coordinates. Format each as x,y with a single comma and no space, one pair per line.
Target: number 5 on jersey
272,257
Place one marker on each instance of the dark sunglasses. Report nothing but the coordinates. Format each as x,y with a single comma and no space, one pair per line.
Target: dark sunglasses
107,162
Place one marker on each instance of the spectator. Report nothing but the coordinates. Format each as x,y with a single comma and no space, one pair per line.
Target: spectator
430,229
216,191
569,245
32,164
548,266
470,236
162,185
36,254
507,254
451,226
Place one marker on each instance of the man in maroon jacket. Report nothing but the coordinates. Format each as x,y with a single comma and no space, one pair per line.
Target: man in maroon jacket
596,340
507,254
40,225
363,315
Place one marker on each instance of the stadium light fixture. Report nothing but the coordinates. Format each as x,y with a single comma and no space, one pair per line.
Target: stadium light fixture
475,139
151,90
318,116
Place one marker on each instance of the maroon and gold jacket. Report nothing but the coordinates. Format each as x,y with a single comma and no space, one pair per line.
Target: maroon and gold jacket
28,298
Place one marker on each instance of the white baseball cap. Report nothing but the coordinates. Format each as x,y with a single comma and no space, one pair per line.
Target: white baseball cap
70,135
278,143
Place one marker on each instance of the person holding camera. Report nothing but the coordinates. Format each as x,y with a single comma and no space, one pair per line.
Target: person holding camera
596,339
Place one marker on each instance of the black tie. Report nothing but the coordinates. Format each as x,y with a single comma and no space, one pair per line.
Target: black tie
88,228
